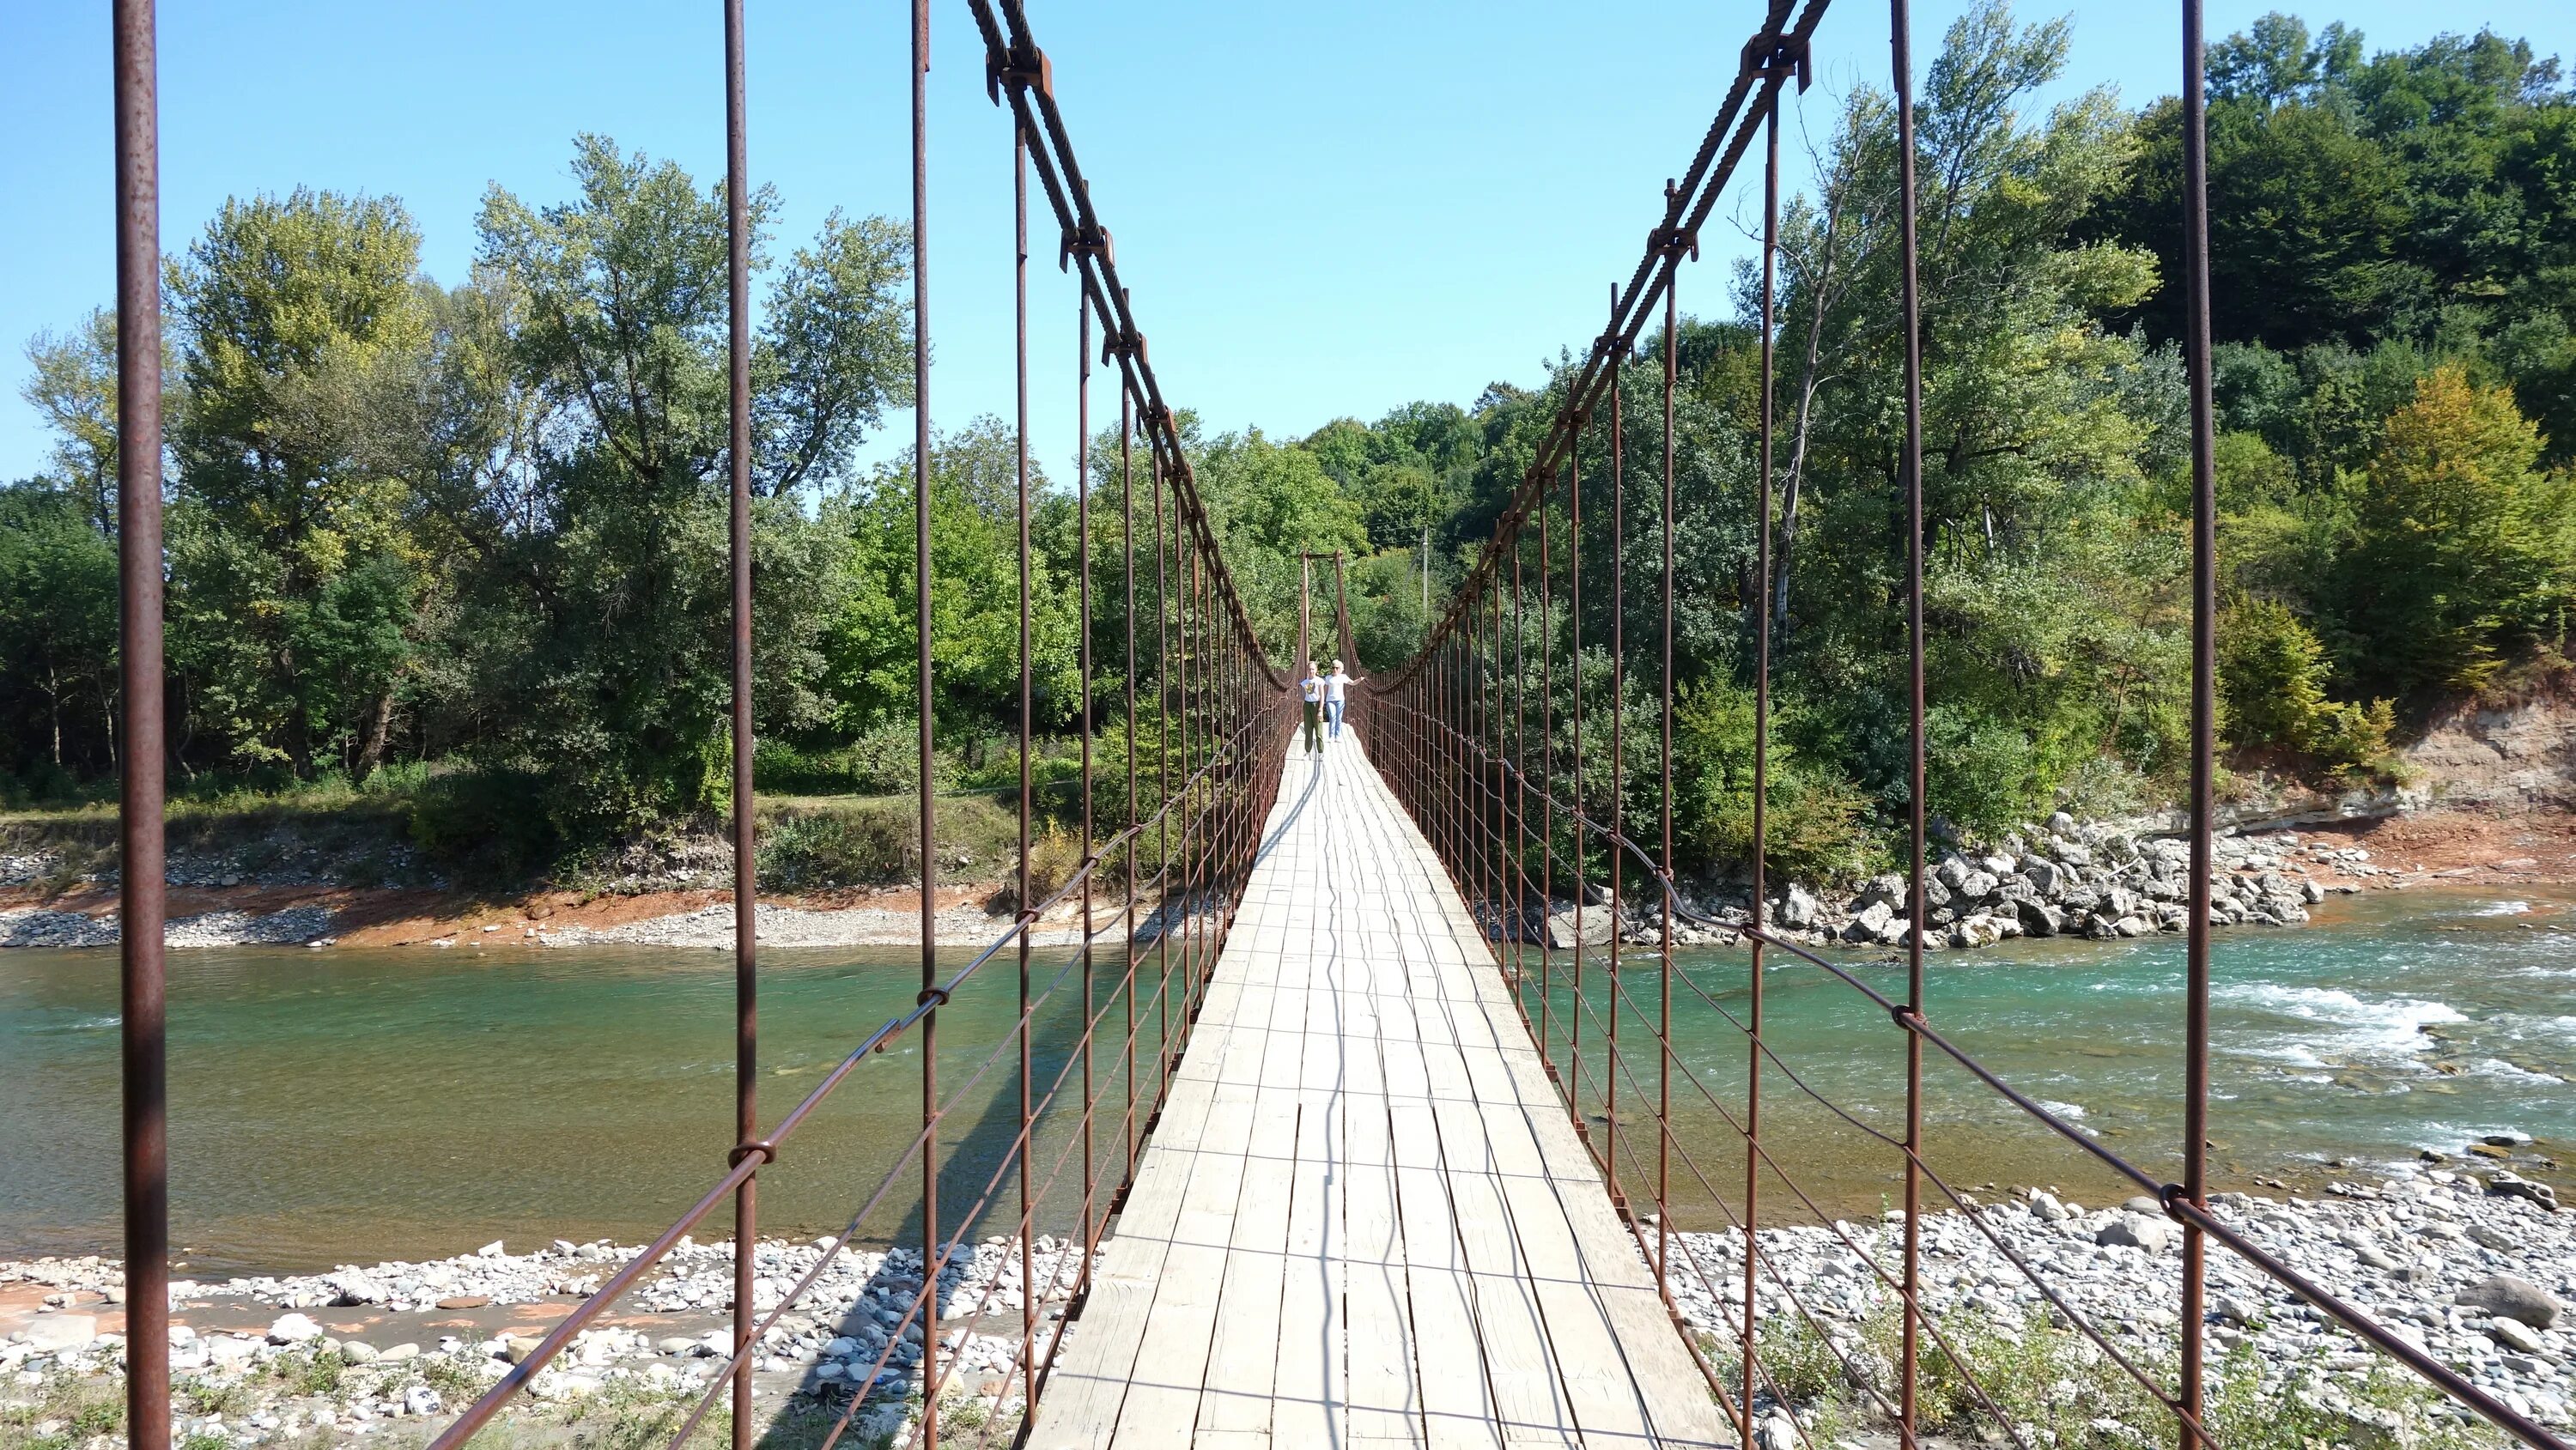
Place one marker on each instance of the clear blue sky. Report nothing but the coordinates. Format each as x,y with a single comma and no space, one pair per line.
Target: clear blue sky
1324,208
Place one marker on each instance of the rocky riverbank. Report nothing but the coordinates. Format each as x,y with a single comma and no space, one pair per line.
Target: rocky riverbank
385,1354
681,920
2101,881
2473,1268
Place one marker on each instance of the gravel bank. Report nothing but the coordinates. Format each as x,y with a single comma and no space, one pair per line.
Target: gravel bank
2474,1269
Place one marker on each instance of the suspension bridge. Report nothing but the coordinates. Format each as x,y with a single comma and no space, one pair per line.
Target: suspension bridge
1318,1158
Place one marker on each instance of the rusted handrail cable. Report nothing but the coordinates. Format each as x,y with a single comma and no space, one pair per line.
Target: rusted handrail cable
1215,715
1440,717
1687,208
2175,1204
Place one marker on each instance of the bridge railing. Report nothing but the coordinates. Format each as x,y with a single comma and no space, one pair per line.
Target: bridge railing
1482,736
1139,919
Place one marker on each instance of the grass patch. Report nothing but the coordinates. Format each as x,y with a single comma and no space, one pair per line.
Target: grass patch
69,1412
2062,1391
810,844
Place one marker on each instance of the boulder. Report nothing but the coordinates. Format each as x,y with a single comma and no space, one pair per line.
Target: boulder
1979,930
2514,1334
2132,926
1797,909
2061,824
1563,935
2038,918
350,1286
53,1333
1952,872
1976,886
1887,887
2137,1231
293,1329
2046,877
1868,926
2509,1297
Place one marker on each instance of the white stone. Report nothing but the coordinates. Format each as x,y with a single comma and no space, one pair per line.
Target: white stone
293,1329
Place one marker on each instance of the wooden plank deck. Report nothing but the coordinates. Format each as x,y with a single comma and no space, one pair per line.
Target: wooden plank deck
1364,1218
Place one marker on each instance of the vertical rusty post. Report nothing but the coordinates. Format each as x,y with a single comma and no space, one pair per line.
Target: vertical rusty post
746,921
1761,750
929,1372
1127,545
1546,795
1163,778
1193,834
1574,657
142,1044
1088,724
1664,808
1520,783
1028,716
1305,612
1900,46
2204,697
1497,761
1615,815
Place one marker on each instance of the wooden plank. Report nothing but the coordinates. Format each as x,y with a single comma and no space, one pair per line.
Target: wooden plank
1385,1393
1171,1361
1243,1362
1088,1386
1457,1400
1311,1386
1364,1219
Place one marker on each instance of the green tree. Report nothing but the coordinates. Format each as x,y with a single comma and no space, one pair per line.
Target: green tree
72,386
288,551
2464,548
58,642
607,531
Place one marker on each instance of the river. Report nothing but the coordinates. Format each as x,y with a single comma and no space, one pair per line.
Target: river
346,1106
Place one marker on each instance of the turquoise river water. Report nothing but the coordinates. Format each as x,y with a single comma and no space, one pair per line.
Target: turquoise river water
342,1105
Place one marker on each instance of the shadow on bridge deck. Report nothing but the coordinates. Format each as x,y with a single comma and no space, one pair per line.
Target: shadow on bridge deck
1364,1216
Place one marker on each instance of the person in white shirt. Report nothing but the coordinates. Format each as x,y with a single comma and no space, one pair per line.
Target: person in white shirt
1313,688
1336,696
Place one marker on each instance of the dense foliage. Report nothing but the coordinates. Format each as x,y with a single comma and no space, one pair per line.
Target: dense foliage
482,526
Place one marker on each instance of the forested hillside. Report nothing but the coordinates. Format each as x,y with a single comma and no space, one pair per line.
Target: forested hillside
466,541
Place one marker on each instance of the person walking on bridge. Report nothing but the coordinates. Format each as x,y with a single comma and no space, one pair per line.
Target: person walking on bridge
1336,696
1312,686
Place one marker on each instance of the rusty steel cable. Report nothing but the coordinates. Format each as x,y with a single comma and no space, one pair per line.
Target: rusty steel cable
1210,674
2175,1202
1420,709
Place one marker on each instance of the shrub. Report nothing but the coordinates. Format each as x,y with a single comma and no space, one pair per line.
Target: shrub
869,845
2272,673
486,825
1814,821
